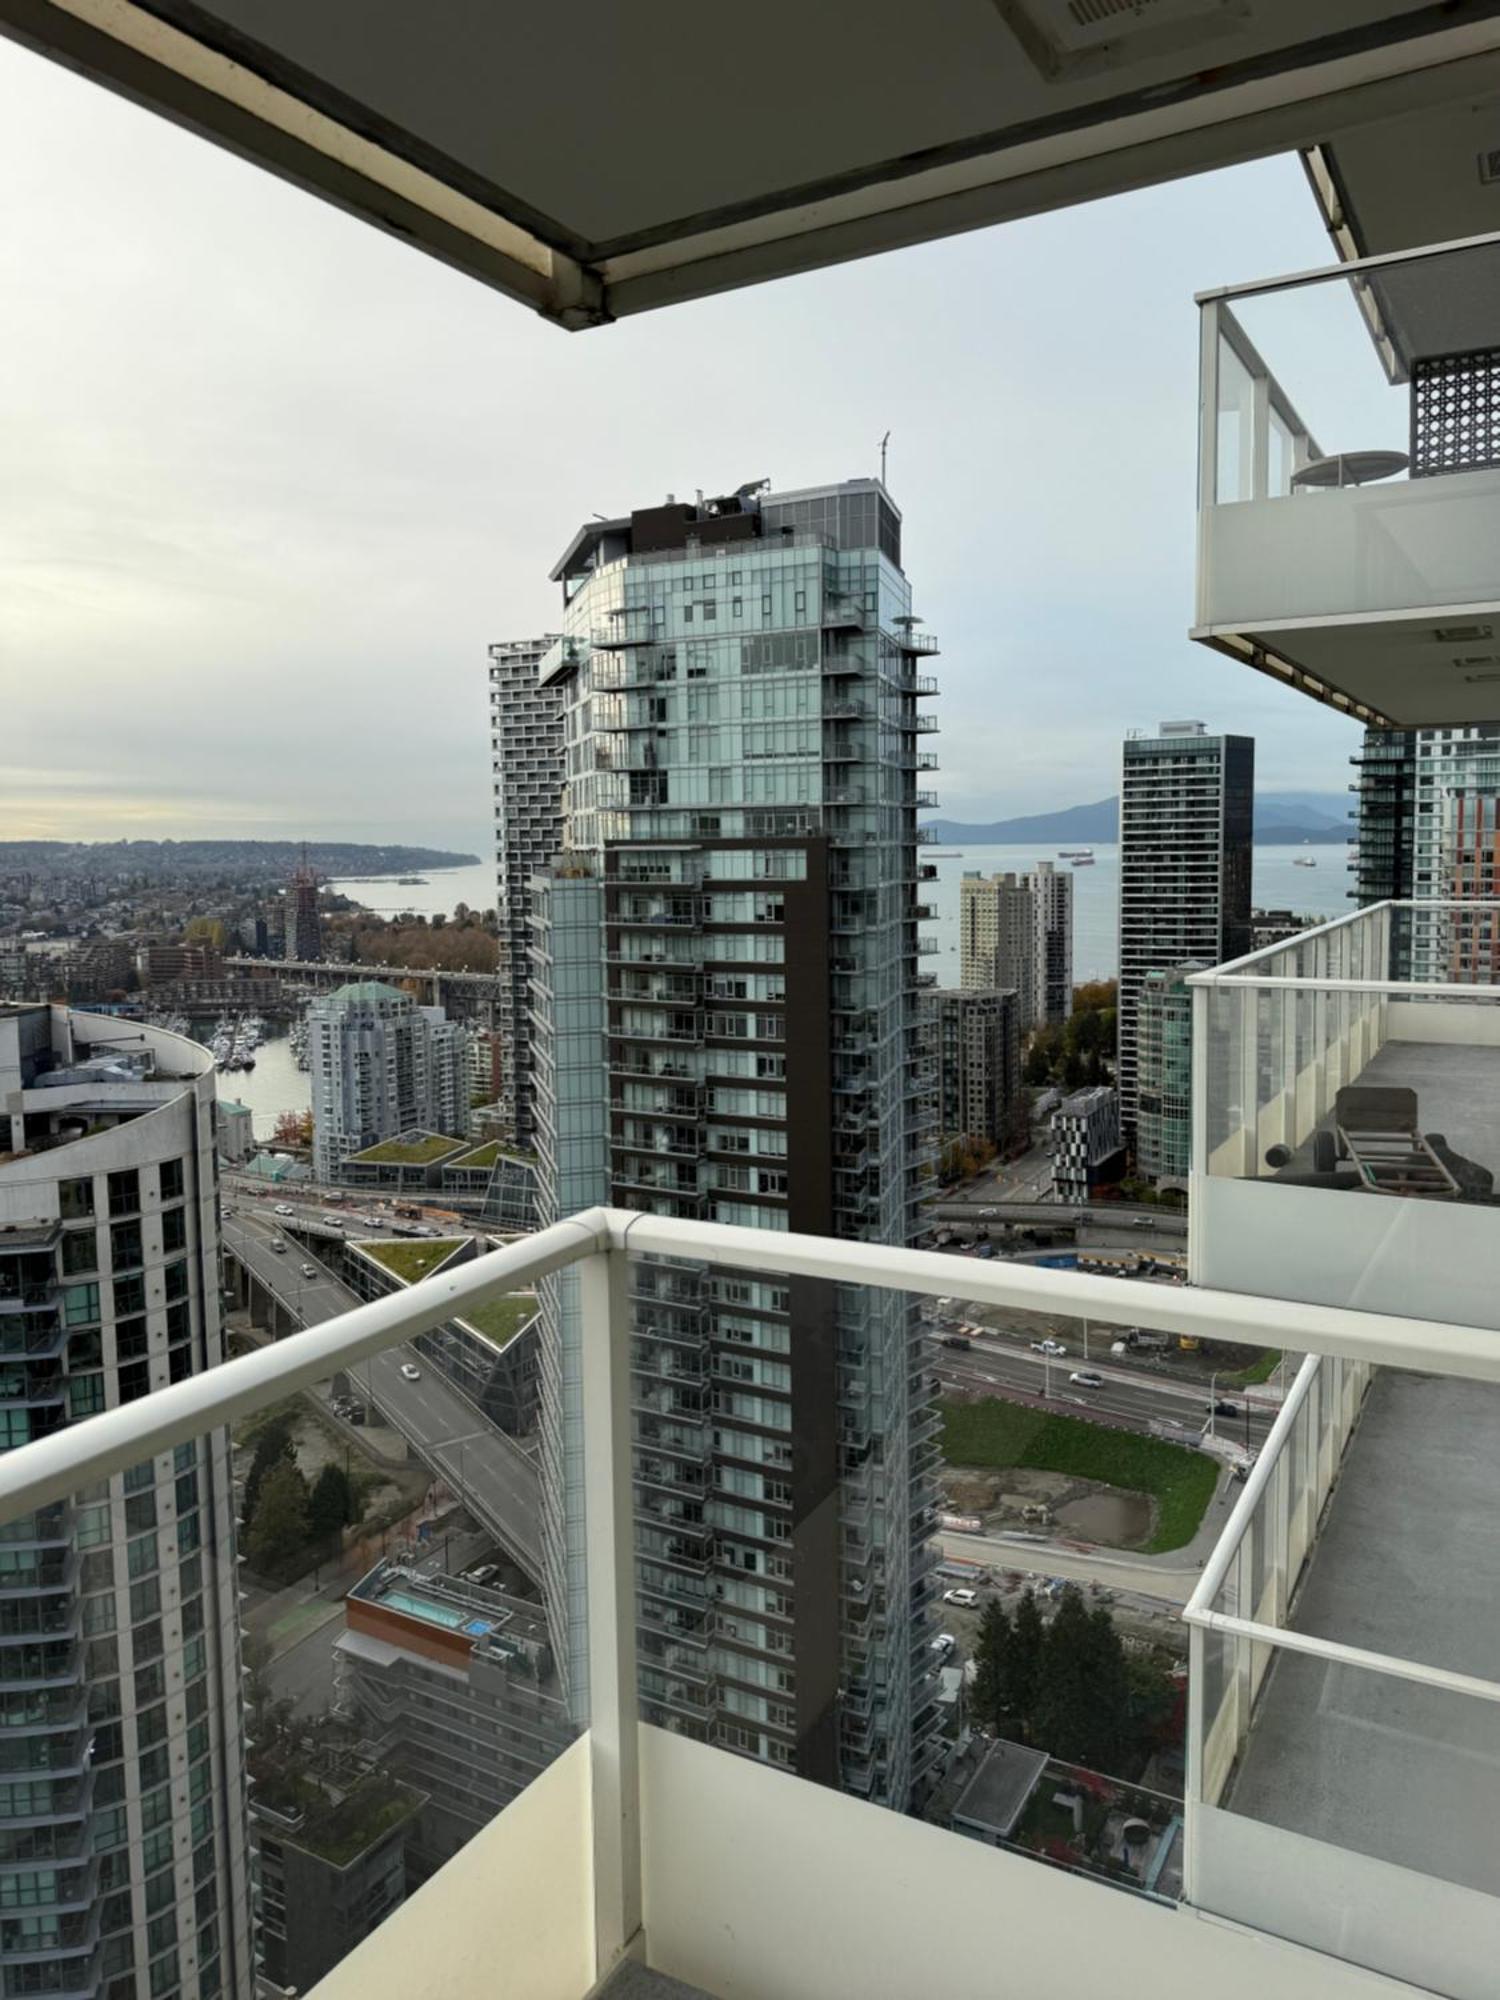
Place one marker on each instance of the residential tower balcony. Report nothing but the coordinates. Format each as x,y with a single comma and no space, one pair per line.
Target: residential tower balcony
646,1855
1360,562
1351,1120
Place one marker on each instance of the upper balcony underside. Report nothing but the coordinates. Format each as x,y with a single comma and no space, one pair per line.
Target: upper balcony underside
694,157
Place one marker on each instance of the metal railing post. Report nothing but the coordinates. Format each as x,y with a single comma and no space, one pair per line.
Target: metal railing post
614,1730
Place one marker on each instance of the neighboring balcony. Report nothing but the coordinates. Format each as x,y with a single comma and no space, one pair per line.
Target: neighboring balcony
1349,483
1346,1125
1344,1710
640,1857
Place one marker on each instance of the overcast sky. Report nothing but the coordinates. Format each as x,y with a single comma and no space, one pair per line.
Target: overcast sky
271,482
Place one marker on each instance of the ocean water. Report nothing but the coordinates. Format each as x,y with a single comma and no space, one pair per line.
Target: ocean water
1278,884
438,894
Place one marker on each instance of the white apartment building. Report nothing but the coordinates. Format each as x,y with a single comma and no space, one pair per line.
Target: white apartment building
123,1839
381,1065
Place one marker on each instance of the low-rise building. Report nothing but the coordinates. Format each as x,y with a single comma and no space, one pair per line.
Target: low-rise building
331,1868
454,1688
1087,1148
409,1163
236,1131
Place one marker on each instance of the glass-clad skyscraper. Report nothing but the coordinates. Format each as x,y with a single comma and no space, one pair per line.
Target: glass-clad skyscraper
741,682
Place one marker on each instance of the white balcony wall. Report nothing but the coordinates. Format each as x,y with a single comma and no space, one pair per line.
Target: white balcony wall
1361,552
757,1886
511,1914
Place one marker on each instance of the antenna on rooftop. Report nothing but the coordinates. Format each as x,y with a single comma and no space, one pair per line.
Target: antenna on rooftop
883,443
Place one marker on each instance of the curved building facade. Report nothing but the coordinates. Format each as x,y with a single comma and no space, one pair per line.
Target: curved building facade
124,1866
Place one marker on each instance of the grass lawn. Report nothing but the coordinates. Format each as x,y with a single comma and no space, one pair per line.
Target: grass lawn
412,1260
1258,1371
502,1319
994,1433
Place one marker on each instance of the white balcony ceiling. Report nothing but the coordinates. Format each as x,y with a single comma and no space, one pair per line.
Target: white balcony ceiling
601,159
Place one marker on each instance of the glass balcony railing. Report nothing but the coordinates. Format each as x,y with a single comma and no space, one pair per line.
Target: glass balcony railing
608,1824
1349,482
1352,1117
1344,1733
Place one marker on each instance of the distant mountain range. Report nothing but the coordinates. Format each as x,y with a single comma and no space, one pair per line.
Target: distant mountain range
1282,819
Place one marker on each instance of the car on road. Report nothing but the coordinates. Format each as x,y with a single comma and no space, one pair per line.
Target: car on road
284,1208
943,1645
410,1372
1048,1347
962,1596
309,1270
989,1211
1085,1378
278,1244
333,1221
1223,1409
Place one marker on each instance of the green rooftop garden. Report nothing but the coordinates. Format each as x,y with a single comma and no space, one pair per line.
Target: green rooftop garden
502,1319
417,1149
412,1261
486,1156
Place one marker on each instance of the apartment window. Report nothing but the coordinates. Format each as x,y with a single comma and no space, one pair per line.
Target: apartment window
177,1280
77,1199
172,1180
131,1339
79,1254
174,1230
130,1296
80,1305
125,1193
125,1252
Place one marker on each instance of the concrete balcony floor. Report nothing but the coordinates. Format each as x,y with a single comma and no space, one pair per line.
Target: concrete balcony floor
1407,1564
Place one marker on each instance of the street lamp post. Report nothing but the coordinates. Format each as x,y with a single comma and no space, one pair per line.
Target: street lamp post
1212,1383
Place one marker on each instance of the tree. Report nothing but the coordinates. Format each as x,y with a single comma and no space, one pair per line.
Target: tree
1061,1718
1024,1661
278,1530
272,1446
1037,1068
1110,1701
293,1128
990,1651
331,1505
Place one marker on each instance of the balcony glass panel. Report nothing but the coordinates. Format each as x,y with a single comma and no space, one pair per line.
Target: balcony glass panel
1343,1753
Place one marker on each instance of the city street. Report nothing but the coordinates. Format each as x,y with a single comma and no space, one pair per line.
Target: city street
1147,1402
494,1476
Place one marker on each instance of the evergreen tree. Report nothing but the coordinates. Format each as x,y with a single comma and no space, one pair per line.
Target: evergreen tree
1062,1718
278,1529
271,1447
990,1650
331,1505
1023,1664
1108,1683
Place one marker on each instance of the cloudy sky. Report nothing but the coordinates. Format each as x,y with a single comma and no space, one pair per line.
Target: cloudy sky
270,483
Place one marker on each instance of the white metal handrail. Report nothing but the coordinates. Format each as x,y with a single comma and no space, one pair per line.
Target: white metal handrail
54,1467
1233,969
1236,1527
